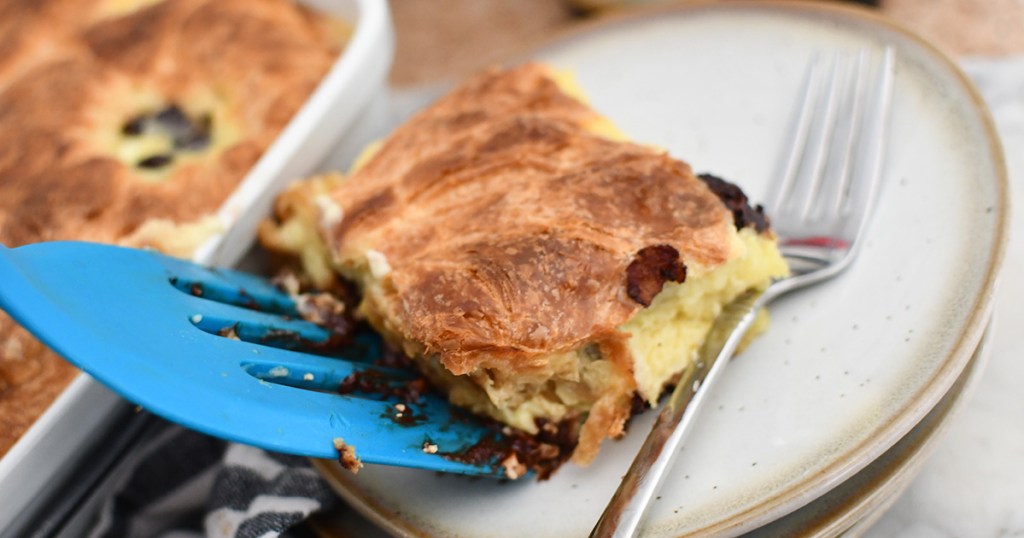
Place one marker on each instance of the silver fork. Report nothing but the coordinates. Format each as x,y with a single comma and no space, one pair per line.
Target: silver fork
822,200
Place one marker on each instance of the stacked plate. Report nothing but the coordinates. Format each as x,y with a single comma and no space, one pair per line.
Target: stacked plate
823,421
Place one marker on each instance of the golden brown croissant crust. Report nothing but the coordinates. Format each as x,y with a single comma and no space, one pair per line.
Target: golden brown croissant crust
508,227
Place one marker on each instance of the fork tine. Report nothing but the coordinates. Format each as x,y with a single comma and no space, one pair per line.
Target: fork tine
835,201
798,141
872,142
825,126
835,153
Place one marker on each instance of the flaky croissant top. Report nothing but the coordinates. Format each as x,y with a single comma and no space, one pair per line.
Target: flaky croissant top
223,75
508,230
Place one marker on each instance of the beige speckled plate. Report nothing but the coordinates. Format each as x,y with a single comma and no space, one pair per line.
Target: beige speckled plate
848,368
853,506
847,510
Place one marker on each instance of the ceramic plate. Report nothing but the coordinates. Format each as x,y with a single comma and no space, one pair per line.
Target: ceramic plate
847,510
853,506
849,367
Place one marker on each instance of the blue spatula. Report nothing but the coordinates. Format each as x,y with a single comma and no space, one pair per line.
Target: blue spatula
148,326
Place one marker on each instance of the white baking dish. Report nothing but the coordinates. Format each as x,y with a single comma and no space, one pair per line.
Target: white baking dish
350,94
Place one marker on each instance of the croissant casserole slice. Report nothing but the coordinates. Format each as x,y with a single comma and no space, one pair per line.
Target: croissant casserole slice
538,268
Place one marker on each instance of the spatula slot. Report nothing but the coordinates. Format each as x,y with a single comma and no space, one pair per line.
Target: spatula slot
229,287
268,330
336,376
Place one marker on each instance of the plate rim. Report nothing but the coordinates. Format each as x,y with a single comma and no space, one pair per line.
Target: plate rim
919,403
859,510
876,496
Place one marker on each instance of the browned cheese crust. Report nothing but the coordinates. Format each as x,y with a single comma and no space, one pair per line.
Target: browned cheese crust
71,76
509,228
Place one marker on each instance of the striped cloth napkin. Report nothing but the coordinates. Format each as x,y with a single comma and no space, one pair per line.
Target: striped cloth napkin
183,484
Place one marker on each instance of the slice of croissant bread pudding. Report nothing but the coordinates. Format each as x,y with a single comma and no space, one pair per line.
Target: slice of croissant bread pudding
537,268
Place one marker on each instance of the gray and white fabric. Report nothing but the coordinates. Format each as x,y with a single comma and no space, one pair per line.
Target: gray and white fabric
180,484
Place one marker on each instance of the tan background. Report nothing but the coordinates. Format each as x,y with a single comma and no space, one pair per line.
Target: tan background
439,39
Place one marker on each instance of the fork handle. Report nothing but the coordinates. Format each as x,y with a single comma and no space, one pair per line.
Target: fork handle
624,513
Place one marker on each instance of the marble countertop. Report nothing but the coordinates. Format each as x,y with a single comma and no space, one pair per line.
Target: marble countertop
973,485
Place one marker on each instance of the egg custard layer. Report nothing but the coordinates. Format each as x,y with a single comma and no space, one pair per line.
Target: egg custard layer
537,267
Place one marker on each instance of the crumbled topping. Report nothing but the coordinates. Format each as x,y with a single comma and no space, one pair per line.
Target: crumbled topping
331,213
375,382
405,415
379,266
287,282
322,309
229,333
517,453
513,469
429,448
347,456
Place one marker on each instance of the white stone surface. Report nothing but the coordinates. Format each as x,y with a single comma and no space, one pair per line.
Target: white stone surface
973,485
